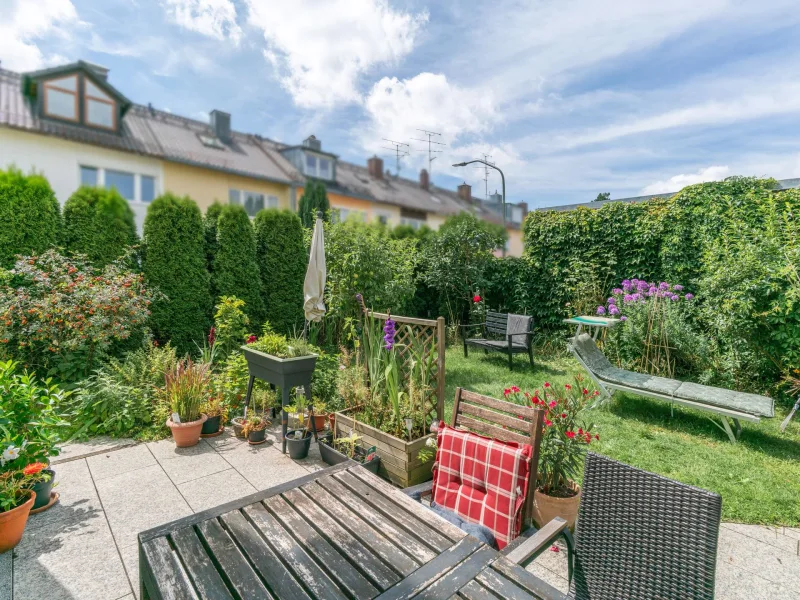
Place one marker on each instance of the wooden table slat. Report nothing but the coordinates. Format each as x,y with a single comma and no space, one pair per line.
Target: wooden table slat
237,569
397,534
426,531
314,578
431,571
264,559
201,569
369,536
421,512
337,566
475,591
372,566
166,572
449,583
525,579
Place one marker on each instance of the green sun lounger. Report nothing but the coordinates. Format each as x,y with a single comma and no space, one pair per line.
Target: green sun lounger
727,404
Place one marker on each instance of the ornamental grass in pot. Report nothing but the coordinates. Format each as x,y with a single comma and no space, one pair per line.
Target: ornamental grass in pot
565,440
186,389
16,496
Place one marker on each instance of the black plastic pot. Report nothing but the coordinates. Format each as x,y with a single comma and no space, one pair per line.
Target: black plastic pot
42,489
298,448
211,425
256,437
332,456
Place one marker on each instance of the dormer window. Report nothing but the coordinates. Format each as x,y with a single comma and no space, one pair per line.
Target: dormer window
61,98
100,109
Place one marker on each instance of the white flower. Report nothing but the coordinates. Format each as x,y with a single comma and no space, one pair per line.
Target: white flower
10,453
431,443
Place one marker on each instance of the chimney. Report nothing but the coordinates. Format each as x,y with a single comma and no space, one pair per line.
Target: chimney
465,192
221,124
424,179
375,167
312,143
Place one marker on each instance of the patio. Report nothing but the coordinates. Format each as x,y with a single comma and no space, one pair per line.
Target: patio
85,546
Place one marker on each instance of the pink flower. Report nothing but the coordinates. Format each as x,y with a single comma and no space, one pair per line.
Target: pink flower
548,422
476,298
570,434
555,548
552,404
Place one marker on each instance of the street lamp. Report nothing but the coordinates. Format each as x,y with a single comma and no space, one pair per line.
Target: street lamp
502,178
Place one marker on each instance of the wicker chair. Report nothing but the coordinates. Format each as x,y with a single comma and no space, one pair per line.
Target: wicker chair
639,535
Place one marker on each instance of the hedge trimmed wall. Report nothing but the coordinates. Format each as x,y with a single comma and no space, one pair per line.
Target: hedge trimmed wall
98,223
235,271
175,264
210,227
314,198
30,217
282,258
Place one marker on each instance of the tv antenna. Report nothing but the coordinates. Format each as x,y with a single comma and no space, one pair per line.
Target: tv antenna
400,150
431,150
485,169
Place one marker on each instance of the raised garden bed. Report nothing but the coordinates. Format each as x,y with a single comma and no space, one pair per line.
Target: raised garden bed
332,456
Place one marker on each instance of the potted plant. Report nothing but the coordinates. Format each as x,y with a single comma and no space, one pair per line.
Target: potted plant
298,442
255,429
216,413
341,449
186,389
276,359
320,415
43,488
564,445
16,496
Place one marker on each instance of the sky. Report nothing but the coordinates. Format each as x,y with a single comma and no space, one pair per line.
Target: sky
570,98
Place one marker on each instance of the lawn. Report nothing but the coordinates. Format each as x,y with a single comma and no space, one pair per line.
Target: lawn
758,478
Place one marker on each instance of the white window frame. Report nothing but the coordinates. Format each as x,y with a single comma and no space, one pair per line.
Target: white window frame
316,172
137,182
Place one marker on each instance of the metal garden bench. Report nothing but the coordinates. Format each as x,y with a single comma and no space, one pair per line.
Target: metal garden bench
503,332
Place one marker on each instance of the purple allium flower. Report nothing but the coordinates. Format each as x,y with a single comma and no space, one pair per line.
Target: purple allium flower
636,297
626,282
616,291
674,297
677,287
627,298
613,310
652,291
623,318
663,286
642,286
689,296
601,310
389,331
359,298
612,300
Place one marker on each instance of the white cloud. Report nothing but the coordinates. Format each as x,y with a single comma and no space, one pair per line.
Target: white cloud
678,182
26,22
213,18
322,48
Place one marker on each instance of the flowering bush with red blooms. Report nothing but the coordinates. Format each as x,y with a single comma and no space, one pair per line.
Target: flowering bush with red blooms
60,315
15,480
565,439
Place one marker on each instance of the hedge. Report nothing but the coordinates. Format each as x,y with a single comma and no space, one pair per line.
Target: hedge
314,198
175,264
210,228
282,258
30,218
235,271
98,223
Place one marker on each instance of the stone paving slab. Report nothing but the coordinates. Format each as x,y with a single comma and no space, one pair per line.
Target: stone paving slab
97,445
6,576
130,560
111,464
215,489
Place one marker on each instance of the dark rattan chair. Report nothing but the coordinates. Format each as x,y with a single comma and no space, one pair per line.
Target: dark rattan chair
639,536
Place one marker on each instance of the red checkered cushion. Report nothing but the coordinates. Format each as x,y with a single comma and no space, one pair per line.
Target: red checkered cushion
482,480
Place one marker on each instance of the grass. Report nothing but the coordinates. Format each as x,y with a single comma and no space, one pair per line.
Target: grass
758,478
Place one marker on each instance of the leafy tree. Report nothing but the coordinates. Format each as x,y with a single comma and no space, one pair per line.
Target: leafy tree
98,223
235,270
175,264
281,254
602,197
314,198
30,218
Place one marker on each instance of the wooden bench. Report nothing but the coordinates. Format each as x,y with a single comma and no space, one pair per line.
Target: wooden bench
503,332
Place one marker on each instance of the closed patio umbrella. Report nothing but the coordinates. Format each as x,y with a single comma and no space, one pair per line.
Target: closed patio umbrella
314,285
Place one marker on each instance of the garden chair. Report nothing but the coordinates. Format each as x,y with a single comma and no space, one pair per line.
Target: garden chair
495,421
728,404
503,332
638,535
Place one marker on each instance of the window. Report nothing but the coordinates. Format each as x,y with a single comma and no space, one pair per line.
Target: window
61,98
253,203
317,166
211,142
346,214
147,190
99,108
122,181
311,164
414,223
234,197
272,202
324,168
88,176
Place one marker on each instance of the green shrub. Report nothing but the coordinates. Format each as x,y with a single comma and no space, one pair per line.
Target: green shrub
98,223
210,227
282,258
30,218
175,264
235,271
230,325
314,198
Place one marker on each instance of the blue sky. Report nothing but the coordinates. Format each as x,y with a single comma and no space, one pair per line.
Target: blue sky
569,97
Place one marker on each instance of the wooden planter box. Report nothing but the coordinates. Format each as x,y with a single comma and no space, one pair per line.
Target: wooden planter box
399,461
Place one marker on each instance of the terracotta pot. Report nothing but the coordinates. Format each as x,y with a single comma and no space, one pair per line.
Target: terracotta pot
545,507
319,422
12,524
186,434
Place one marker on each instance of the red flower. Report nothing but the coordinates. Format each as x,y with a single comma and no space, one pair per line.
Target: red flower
552,404
546,384
563,415
212,336
567,386
548,422
580,430
570,434
588,438
506,392
515,389
251,339
476,298
596,436
555,548
34,468
585,391
596,393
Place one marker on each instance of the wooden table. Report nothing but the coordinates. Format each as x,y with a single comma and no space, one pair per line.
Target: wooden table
338,533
